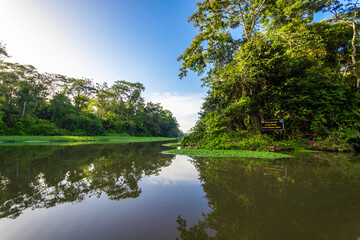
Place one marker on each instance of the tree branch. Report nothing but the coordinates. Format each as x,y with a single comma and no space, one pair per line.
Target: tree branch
243,20
254,16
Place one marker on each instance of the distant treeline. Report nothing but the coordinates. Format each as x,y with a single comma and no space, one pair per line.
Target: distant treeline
33,103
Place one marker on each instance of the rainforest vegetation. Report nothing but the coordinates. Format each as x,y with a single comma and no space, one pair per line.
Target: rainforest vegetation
274,59
33,103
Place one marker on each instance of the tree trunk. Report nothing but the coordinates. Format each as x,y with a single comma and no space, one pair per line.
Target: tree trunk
23,112
354,52
255,119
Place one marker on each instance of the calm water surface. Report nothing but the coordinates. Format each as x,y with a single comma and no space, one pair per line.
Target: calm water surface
131,191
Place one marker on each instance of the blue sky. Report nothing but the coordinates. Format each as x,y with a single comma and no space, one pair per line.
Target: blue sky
109,40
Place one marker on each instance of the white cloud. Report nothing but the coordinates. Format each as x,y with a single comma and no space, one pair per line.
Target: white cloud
184,107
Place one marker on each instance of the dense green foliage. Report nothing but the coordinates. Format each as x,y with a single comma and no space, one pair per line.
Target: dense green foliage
284,65
32,103
75,140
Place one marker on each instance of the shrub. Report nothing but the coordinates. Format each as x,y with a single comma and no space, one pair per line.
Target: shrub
44,128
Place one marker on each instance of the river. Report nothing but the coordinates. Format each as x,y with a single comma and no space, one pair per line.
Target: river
132,191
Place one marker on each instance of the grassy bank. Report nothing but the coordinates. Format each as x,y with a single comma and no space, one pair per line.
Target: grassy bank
226,153
245,140
77,139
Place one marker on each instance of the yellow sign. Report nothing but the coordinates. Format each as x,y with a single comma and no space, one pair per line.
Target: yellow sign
272,125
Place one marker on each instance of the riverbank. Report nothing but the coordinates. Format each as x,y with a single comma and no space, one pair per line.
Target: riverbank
77,139
267,143
227,153
256,147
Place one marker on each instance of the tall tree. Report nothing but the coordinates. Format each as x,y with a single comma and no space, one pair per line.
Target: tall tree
255,55
348,12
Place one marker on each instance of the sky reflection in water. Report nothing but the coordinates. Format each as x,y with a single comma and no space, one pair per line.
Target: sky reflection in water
131,191
180,172
77,192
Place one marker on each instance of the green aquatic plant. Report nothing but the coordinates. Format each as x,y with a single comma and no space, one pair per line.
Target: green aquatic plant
226,153
172,144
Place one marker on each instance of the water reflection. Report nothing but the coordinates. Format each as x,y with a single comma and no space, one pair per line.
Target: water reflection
319,199
181,171
44,176
274,171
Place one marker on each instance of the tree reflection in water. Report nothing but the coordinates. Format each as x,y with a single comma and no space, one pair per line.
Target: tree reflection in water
319,199
43,176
